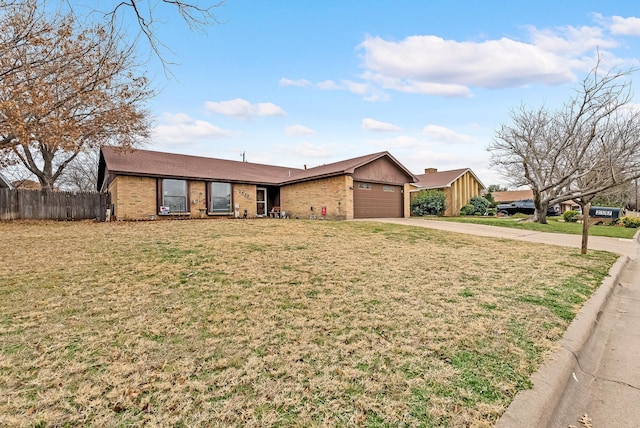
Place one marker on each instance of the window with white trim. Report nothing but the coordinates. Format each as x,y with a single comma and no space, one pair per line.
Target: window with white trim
219,198
388,189
364,186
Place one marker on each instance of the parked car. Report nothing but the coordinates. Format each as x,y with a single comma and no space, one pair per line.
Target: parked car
524,206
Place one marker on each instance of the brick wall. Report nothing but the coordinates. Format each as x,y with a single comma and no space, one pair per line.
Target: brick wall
198,199
244,196
134,197
334,193
407,200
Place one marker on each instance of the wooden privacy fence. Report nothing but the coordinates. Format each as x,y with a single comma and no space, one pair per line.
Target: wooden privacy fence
23,204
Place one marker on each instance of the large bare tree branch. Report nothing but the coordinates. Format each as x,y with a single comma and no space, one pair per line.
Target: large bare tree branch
590,145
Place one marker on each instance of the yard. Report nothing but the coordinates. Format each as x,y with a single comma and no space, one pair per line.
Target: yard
275,322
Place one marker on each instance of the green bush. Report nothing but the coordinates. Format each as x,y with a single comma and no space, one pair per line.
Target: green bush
480,204
631,222
467,210
428,202
571,216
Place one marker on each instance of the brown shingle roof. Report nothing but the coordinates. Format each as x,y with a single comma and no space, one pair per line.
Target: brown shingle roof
512,195
158,164
347,166
438,180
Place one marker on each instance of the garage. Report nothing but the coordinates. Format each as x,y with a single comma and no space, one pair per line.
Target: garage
374,200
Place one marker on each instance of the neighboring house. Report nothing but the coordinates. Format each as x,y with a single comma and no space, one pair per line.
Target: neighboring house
145,185
569,205
459,185
4,183
509,196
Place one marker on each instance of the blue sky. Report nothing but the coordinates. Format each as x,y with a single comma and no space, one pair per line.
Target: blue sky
305,82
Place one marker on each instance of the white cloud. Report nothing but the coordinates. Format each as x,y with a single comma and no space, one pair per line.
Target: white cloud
356,88
432,60
288,82
295,130
570,41
345,85
328,85
624,26
180,128
415,87
369,124
431,65
440,134
244,109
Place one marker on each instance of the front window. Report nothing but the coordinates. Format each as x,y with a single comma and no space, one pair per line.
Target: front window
174,196
220,198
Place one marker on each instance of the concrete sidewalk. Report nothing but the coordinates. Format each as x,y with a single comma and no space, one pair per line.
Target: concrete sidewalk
593,380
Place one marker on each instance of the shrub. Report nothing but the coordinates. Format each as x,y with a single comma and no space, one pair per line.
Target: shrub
632,222
480,204
428,202
467,210
570,216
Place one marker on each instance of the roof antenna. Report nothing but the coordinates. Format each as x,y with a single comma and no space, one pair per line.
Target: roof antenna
244,158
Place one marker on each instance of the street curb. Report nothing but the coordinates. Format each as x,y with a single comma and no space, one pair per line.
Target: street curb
535,407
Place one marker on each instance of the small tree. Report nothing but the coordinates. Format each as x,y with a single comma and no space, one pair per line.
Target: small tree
428,202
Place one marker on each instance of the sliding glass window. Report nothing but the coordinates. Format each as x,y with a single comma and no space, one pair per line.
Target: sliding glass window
220,198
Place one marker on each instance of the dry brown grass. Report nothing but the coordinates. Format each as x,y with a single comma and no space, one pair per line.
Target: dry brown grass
274,323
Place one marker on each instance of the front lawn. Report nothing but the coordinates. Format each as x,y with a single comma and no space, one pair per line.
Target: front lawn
275,322
554,225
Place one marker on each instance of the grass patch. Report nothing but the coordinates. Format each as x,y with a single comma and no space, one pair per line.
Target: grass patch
554,225
275,323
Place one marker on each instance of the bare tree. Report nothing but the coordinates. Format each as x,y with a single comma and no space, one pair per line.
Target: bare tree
590,145
196,14
64,89
81,175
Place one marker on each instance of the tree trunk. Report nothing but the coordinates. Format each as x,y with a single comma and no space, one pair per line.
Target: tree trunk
585,227
540,214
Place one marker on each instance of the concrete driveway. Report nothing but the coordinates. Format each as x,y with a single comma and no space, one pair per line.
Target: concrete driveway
614,245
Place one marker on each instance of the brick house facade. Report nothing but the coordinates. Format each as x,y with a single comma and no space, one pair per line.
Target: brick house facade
148,185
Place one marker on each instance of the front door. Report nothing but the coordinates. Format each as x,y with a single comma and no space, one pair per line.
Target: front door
261,201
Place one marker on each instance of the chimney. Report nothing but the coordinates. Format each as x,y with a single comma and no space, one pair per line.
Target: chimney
430,170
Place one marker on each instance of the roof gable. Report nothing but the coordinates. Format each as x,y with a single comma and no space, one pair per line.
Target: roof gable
512,195
438,180
348,166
